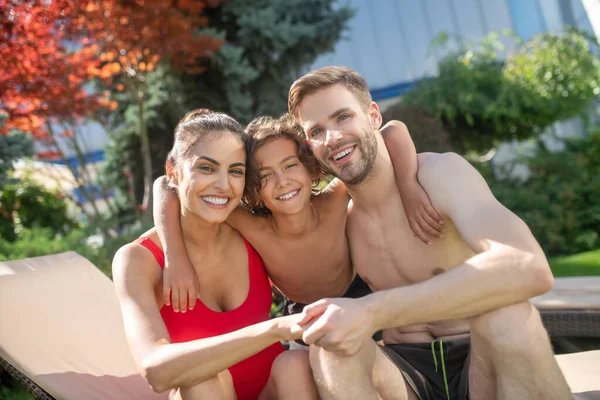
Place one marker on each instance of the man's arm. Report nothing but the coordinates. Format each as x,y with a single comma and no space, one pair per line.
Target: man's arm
180,282
423,220
509,267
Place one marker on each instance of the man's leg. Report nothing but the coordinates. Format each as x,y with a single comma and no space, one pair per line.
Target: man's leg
367,375
512,357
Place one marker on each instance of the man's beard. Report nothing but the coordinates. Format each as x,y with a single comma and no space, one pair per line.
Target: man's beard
368,152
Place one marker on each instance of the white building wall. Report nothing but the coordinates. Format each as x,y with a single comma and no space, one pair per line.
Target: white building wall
388,42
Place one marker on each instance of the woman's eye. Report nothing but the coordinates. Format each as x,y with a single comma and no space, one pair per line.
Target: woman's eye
206,168
237,172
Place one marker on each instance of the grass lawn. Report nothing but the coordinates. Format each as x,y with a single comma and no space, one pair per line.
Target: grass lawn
582,264
14,394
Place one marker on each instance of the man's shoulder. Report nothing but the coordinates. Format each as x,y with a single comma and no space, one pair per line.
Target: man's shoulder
439,162
442,169
447,178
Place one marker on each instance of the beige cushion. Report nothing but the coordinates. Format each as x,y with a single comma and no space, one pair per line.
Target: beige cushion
582,371
61,325
574,293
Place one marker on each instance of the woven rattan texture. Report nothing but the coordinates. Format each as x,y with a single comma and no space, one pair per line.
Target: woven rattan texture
37,392
572,323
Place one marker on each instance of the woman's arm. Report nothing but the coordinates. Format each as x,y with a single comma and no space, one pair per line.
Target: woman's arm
180,282
167,365
424,221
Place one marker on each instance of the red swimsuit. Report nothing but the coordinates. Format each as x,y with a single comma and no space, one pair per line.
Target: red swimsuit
249,375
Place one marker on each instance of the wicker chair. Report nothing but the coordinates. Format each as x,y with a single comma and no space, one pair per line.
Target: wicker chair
571,310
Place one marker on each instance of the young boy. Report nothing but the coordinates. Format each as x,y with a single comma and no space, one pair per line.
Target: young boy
302,236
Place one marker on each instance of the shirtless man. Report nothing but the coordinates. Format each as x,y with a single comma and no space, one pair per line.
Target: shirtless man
455,315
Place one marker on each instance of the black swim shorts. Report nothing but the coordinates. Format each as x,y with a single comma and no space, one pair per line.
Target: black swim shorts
436,371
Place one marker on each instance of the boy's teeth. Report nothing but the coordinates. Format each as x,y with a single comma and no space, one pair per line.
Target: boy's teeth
216,200
288,196
342,154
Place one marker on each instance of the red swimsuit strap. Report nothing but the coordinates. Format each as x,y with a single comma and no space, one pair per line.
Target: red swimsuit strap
159,254
154,249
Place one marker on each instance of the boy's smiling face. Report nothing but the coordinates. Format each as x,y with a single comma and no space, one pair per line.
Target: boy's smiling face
285,183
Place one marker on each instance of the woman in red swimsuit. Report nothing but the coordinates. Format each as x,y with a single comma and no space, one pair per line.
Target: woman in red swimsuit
226,347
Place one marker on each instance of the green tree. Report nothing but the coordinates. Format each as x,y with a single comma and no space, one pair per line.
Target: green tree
268,43
13,146
483,101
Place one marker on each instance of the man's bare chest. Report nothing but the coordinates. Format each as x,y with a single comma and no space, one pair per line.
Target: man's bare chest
386,253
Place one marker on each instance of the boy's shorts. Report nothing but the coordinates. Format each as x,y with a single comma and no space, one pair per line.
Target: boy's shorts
358,288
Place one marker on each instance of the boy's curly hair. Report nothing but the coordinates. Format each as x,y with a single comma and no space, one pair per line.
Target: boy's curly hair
264,130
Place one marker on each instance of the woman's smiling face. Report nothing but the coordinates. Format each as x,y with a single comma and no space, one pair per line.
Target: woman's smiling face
212,178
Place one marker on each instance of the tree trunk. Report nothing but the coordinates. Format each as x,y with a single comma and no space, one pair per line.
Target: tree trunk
146,161
84,168
97,216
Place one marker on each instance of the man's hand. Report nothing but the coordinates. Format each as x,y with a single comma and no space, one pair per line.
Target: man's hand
423,220
339,325
180,283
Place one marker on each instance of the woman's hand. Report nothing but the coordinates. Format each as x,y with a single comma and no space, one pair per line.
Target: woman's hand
287,328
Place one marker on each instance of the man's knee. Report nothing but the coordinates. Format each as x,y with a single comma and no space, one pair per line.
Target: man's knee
321,358
329,366
517,327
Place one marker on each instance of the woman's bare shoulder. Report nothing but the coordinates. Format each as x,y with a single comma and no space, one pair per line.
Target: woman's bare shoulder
134,264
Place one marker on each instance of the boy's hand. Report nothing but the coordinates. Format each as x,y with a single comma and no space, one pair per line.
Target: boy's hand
180,284
424,221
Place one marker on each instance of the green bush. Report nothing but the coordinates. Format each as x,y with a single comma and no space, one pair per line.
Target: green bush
42,241
560,201
24,204
483,101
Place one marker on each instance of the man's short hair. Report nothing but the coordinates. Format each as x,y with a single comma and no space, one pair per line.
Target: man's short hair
325,77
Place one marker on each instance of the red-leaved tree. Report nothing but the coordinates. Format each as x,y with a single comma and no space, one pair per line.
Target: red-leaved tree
132,37
50,50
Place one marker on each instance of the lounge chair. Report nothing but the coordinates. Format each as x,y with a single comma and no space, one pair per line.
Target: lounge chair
61,335
61,331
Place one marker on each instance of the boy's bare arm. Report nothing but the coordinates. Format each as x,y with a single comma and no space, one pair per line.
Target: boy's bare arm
423,219
180,283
